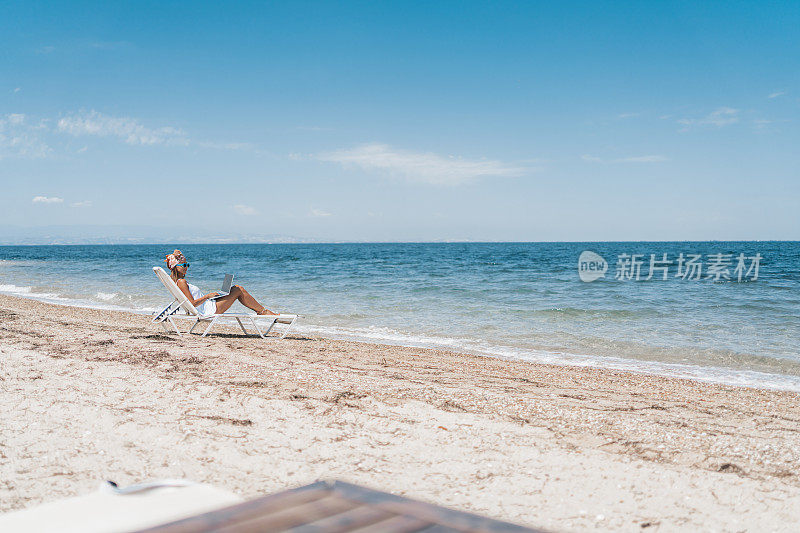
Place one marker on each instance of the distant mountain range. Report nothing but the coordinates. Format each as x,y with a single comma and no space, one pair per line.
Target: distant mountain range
89,234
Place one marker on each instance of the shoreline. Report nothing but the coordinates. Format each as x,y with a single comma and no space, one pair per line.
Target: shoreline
558,447
714,375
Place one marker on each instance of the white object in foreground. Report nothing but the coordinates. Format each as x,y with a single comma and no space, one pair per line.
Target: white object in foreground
109,510
181,301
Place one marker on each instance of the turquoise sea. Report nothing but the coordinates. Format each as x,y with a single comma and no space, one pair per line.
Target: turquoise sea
514,300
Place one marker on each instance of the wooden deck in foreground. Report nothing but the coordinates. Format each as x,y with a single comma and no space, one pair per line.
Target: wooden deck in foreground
334,506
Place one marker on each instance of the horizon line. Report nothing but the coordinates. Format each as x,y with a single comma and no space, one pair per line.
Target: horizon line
174,243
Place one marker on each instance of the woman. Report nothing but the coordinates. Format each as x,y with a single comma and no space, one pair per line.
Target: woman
178,266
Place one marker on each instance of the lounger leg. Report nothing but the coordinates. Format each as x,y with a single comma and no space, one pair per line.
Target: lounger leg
288,327
241,325
255,325
194,326
174,325
209,327
272,325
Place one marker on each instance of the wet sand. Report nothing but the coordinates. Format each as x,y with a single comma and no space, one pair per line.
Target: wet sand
90,395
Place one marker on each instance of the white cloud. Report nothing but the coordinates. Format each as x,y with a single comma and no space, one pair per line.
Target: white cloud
21,137
128,129
423,167
245,210
776,94
723,116
632,159
47,200
628,115
132,131
763,125
319,213
18,138
85,203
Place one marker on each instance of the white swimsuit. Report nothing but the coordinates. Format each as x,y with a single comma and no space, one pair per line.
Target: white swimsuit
207,308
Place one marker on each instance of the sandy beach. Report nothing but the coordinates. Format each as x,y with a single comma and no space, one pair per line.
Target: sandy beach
89,395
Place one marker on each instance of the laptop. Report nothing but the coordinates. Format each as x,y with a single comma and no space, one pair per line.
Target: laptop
227,283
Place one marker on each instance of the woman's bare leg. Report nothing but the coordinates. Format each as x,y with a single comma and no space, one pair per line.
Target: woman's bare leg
238,293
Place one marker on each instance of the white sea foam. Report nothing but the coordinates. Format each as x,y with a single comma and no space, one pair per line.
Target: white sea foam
29,292
385,335
105,296
33,294
14,289
720,375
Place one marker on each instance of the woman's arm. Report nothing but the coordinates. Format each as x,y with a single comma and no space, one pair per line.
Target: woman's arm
184,287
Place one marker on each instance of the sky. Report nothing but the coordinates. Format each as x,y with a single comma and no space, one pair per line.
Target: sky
399,121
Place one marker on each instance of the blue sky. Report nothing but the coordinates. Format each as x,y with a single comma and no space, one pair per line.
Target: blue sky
392,121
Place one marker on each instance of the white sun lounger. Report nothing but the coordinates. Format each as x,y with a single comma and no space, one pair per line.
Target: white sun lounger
181,302
119,510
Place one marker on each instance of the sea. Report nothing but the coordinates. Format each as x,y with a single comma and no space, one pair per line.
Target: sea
726,312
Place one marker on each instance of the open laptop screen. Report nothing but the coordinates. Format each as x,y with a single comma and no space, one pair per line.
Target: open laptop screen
226,283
